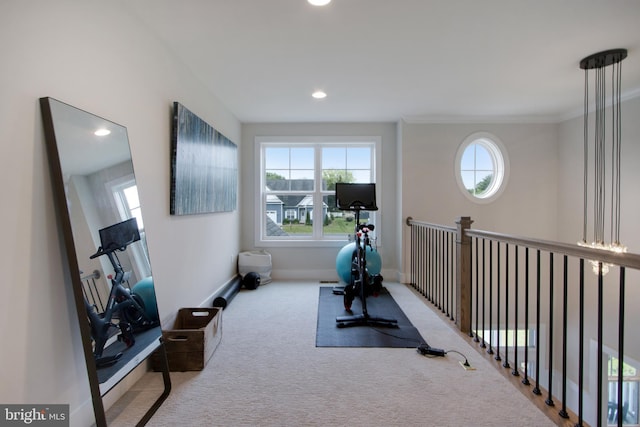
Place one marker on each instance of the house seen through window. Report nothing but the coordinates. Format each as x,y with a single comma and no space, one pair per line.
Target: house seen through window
297,182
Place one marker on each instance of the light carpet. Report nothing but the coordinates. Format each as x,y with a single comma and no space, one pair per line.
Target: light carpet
267,371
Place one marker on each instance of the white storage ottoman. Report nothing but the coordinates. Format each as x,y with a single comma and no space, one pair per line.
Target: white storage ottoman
257,262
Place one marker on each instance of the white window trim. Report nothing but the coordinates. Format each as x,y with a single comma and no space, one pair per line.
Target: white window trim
329,241
140,261
502,175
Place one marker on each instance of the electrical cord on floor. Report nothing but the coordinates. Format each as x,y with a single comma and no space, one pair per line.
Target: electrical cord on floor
466,361
395,336
428,351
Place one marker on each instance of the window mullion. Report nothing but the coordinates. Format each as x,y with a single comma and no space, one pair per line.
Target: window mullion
317,193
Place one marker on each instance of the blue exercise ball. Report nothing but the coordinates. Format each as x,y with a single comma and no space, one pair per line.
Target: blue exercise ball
343,262
145,290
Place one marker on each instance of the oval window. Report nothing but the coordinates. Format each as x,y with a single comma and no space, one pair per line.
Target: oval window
481,167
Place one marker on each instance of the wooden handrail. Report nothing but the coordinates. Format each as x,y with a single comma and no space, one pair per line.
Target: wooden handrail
630,260
410,221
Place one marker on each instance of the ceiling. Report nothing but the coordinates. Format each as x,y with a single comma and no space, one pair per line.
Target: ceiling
386,60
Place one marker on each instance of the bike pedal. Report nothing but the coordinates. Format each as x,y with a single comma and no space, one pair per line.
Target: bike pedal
126,335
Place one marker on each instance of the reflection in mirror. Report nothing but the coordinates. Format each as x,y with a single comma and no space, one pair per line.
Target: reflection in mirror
105,238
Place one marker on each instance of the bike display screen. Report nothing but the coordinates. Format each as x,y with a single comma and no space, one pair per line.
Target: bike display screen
352,196
120,235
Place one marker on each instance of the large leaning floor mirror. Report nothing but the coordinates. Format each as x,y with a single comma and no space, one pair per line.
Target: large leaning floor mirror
103,231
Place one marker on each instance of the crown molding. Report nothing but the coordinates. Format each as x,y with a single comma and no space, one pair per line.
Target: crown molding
505,119
627,96
452,119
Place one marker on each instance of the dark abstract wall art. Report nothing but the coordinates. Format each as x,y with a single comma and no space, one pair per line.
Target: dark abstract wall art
204,166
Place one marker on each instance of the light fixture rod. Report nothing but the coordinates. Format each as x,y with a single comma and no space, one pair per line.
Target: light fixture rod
606,161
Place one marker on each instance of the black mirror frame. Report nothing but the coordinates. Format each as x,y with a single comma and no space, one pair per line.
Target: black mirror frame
64,225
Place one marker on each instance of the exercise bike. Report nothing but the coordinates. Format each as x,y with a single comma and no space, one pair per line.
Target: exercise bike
126,307
357,198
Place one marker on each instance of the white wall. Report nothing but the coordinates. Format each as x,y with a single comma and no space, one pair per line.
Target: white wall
418,173
95,56
528,205
320,263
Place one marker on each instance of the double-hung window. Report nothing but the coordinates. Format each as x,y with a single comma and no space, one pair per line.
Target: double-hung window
127,203
295,204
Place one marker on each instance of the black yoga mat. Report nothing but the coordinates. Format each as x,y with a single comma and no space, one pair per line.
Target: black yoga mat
331,306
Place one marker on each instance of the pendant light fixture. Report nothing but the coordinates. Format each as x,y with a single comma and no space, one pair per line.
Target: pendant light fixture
602,138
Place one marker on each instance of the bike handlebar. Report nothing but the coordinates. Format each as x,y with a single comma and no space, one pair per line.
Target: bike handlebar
371,227
101,251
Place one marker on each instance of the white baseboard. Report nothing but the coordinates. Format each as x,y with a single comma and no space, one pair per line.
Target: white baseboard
402,278
325,275
208,302
288,274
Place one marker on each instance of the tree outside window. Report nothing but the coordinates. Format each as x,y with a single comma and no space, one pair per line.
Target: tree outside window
299,186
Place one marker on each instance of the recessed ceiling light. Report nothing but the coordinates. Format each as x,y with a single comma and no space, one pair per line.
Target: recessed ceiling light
319,2
319,94
102,132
